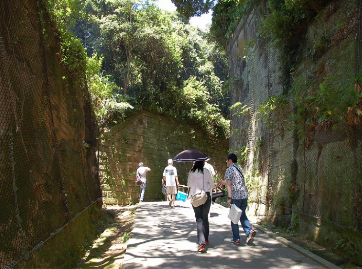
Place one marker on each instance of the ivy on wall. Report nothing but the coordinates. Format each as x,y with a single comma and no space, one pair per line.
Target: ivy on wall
333,102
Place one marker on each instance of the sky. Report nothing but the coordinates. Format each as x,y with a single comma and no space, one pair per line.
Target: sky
200,22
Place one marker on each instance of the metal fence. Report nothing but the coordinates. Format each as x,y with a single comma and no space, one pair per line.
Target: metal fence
48,165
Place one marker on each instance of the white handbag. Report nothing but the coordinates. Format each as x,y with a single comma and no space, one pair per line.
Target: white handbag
234,214
198,198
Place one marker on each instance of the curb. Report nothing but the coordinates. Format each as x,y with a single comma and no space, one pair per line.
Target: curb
307,253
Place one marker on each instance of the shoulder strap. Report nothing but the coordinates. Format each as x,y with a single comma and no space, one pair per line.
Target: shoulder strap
203,180
238,169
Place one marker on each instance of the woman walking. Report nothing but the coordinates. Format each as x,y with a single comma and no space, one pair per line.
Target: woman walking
200,179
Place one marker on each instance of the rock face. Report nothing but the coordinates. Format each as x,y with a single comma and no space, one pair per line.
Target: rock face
48,167
303,173
151,139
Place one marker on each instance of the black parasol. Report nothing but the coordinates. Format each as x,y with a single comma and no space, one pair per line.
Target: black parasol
190,155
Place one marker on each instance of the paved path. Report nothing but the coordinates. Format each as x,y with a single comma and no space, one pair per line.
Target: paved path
165,237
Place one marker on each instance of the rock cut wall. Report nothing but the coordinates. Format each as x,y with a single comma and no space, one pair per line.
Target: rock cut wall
303,173
48,168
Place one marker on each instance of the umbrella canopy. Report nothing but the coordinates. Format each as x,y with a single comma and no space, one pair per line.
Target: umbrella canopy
190,155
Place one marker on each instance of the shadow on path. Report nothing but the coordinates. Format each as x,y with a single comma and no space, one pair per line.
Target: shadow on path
165,237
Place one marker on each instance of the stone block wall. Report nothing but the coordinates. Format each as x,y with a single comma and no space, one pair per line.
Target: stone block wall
151,139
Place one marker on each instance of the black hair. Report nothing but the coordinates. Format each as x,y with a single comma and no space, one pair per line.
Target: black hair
232,157
198,165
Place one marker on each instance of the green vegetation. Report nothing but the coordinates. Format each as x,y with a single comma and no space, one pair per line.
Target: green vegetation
330,102
286,26
142,58
243,155
193,7
273,104
72,54
334,102
106,101
226,16
239,109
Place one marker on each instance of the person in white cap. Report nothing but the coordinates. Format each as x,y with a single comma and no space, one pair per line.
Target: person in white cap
170,179
141,171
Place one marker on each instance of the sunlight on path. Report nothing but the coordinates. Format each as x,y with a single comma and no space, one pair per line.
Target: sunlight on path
166,238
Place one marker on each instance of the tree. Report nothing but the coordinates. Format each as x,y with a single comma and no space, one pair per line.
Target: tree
193,8
106,101
152,56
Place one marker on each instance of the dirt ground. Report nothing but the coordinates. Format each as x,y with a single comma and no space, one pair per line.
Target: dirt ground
109,249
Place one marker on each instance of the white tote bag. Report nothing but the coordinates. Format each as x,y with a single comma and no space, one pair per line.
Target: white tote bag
235,214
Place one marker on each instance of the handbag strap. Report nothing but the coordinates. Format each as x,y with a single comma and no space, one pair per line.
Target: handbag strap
203,179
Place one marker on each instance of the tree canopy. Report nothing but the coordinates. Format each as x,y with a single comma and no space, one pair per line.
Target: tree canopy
143,58
193,8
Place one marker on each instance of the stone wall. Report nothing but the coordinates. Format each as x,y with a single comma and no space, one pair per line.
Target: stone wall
310,183
151,139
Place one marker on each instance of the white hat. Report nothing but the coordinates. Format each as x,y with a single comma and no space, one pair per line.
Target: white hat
170,161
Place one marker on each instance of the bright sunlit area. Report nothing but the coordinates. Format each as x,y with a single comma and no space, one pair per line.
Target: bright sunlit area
203,22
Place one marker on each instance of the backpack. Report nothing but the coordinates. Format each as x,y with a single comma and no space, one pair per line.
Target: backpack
138,179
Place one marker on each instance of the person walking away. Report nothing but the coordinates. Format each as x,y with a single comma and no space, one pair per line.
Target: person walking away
235,183
170,178
200,178
141,171
209,167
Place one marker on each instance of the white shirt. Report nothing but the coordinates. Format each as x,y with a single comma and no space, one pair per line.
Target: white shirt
142,171
170,173
198,181
210,168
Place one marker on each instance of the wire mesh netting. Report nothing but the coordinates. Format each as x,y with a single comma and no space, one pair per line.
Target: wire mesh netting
48,166
293,166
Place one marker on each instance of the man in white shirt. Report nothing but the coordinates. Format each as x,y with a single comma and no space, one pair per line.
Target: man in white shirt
170,179
141,171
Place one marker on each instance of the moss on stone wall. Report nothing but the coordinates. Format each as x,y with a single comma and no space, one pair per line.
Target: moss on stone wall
65,249
151,139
